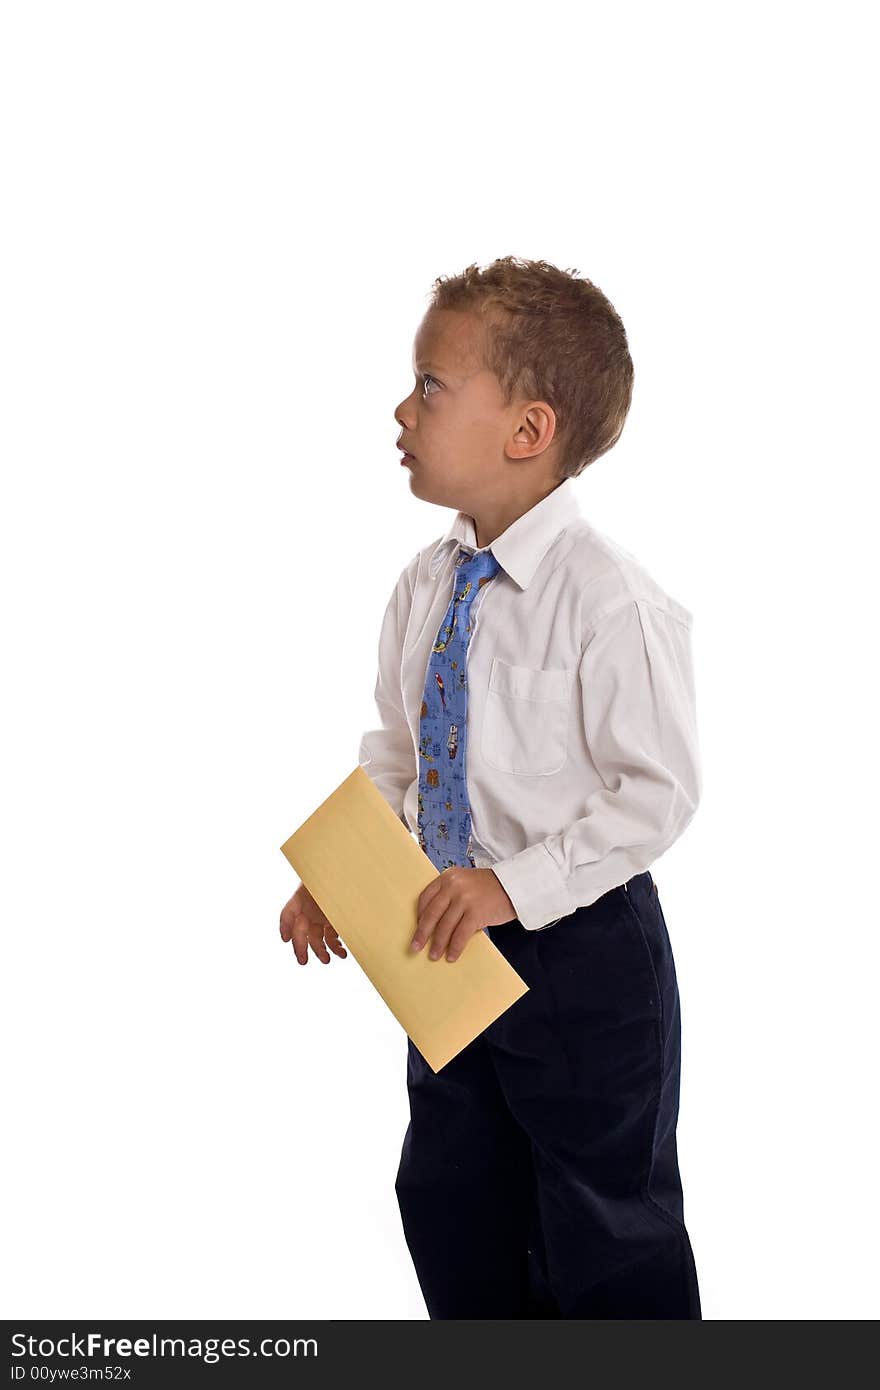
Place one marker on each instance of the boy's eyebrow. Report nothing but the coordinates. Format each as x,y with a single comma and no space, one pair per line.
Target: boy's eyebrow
432,368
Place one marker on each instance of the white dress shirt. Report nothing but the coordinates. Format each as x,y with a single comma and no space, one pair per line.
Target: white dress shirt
582,758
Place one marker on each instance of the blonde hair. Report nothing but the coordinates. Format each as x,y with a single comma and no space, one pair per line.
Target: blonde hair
550,336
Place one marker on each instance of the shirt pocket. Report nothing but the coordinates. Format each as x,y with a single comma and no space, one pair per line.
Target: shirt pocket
525,724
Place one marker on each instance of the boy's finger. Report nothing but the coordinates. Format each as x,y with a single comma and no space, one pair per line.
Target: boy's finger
289,914
300,939
427,925
439,944
457,942
444,930
316,941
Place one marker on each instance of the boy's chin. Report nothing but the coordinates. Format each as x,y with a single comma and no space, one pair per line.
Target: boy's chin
420,486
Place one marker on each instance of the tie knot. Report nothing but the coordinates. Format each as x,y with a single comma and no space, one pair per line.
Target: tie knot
481,565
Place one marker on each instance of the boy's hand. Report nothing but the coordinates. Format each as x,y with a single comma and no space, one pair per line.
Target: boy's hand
303,923
455,906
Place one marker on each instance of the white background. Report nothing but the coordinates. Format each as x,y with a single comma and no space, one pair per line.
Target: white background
221,225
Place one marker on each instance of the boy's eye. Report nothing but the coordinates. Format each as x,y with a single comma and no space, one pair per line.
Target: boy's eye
427,377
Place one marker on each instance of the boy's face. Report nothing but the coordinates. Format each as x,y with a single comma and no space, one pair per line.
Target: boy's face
469,450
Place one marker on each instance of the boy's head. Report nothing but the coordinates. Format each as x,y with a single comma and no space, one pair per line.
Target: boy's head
523,378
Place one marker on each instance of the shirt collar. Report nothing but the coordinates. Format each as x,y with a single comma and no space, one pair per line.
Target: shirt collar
521,548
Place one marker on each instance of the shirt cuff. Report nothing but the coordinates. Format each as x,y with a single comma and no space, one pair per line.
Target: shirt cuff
532,881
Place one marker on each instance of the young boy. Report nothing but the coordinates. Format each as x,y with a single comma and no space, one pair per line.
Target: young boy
536,695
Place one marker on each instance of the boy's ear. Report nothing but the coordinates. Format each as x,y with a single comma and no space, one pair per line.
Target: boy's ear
536,429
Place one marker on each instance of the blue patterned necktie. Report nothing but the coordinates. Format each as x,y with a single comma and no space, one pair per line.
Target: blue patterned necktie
444,817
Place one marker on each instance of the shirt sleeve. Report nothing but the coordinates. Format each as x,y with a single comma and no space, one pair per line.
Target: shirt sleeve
639,712
386,753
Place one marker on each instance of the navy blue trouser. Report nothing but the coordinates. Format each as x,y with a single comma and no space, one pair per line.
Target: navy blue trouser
539,1173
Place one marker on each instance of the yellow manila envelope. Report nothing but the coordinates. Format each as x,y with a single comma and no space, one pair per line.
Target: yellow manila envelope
366,873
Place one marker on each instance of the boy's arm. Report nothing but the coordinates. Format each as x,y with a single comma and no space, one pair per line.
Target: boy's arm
386,754
639,710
